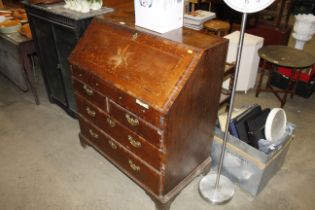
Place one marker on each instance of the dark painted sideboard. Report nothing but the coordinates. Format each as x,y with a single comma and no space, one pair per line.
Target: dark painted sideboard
56,31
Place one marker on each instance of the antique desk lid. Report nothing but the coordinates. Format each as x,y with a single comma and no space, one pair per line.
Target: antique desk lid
150,68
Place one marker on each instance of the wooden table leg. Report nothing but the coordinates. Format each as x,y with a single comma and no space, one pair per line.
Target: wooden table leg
192,7
262,72
299,72
290,89
284,99
268,83
26,51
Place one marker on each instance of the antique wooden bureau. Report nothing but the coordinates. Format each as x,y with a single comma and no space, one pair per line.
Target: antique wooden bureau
148,104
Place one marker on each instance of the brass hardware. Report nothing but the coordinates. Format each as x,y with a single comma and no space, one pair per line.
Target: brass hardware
134,36
88,90
112,144
90,112
134,142
134,166
110,122
131,120
93,134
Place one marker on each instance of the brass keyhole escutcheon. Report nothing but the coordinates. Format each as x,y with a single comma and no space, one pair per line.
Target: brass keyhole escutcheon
110,122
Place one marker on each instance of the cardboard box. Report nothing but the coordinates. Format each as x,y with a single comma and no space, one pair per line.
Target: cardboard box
159,16
246,166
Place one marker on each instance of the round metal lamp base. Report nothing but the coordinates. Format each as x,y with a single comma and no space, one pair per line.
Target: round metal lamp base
222,194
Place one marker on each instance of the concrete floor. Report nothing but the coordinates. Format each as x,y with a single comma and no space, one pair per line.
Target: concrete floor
43,166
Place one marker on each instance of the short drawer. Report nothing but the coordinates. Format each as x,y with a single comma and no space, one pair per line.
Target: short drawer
136,124
130,140
90,111
134,167
89,93
136,106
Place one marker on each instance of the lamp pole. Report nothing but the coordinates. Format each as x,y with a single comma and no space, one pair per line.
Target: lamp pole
210,186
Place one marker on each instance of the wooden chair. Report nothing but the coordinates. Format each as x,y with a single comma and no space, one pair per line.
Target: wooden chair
225,96
217,27
196,2
221,28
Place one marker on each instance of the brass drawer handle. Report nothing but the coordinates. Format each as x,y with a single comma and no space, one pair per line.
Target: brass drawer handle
134,166
88,90
112,144
131,120
90,112
134,142
93,134
110,122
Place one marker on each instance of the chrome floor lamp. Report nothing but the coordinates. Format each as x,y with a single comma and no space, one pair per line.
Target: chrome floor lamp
215,187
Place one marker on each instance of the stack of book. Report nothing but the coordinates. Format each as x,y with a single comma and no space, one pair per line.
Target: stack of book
196,19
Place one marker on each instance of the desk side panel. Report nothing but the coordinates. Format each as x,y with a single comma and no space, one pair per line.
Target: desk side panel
192,118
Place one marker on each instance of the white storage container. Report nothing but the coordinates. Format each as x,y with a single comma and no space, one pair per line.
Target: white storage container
159,15
249,60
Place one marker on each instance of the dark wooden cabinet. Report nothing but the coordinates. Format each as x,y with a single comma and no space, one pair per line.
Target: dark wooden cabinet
149,104
56,31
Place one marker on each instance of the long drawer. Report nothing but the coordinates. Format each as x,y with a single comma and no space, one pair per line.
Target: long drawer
130,140
134,167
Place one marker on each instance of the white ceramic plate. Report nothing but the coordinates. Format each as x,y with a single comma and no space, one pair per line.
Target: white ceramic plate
10,29
275,124
5,11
